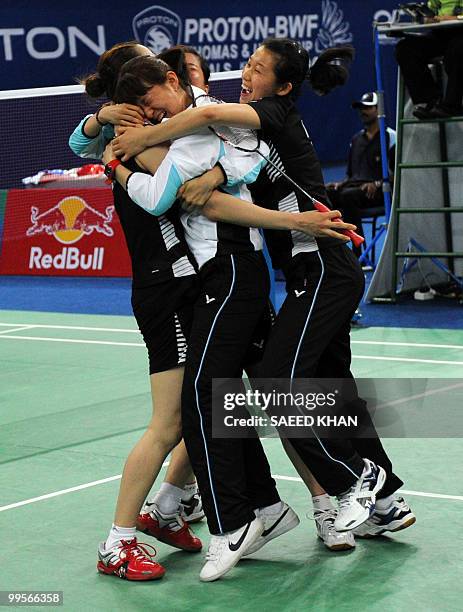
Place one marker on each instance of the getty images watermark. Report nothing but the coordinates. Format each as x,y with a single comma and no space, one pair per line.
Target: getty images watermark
337,408
282,404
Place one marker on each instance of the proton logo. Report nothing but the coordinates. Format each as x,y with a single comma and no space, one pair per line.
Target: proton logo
70,220
157,28
333,29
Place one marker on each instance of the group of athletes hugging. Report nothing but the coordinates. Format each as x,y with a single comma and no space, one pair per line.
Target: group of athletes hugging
190,206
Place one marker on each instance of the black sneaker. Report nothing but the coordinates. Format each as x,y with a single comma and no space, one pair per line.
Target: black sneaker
424,110
442,111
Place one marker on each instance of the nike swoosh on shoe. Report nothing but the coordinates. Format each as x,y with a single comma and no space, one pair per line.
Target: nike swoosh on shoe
235,546
275,524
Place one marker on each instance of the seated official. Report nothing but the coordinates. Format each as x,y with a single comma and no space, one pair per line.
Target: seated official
415,52
362,187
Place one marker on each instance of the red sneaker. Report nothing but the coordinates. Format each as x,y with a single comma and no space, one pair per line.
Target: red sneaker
129,561
170,529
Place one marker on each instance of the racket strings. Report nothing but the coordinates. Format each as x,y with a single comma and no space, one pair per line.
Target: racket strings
244,139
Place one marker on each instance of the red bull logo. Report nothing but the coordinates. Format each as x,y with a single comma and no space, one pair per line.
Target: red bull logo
70,220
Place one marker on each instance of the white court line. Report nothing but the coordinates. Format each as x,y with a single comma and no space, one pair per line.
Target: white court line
405,400
87,485
136,331
139,344
414,344
95,483
32,500
15,329
416,493
78,327
407,359
71,340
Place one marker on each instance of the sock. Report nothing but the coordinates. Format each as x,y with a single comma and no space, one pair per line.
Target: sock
168,498
189,490
322,503
273,509
385,503
119,533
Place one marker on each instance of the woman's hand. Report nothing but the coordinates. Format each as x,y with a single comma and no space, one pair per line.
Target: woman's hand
323,225
121,114
130,142
108,153
197,191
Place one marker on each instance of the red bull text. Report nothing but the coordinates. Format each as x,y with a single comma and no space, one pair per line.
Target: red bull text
70,258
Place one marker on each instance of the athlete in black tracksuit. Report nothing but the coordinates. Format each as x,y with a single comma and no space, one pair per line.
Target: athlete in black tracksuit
325,285
233,474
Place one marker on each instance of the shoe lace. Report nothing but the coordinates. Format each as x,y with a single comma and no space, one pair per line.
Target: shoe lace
215,548
324,519
136,550
345,500
172,522
355,492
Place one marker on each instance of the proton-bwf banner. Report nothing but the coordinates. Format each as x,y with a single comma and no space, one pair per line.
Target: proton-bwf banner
42,46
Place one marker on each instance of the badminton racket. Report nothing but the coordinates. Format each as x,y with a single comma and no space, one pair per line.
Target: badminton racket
248,140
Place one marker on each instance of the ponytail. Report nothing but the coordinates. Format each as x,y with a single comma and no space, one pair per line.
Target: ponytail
292,65
175,59
103,81
331,69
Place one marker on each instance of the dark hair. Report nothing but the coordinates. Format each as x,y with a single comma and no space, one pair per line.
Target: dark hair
205,68
293,65
137,76
175,59
103,81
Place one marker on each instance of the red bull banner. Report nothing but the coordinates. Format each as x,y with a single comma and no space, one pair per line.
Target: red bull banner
62,232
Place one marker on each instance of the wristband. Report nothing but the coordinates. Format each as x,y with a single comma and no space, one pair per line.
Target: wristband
98,120
110,170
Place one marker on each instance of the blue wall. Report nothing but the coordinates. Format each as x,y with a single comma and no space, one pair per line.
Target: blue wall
44,44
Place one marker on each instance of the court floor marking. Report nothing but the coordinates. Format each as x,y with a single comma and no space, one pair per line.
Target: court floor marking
87,485
405,491
414,344
16,329
78,327
136,331
71,340
406,359
405,400
95,483
139,344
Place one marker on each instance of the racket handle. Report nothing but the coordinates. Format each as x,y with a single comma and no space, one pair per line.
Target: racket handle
356,239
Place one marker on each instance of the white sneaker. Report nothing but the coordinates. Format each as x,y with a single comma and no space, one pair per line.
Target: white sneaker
395,518
332,539
226,550
358,503
274,525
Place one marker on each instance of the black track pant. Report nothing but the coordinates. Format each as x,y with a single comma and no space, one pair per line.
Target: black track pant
351,201
310,339
415,53
233,474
